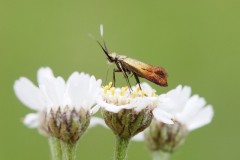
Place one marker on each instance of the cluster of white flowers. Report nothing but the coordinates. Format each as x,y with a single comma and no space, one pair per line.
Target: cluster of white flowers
64,111
128,112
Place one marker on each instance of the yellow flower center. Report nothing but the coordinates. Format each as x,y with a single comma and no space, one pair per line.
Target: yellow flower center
107,87
136,92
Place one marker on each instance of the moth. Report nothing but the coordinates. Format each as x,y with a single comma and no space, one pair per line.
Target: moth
129,66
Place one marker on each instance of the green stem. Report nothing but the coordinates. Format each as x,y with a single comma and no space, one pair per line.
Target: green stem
121,148
55,147
159,155
69,151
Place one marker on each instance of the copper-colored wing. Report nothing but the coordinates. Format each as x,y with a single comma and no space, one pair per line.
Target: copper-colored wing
157,75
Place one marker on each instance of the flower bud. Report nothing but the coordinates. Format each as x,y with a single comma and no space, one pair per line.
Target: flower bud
165,137
127,122
67,125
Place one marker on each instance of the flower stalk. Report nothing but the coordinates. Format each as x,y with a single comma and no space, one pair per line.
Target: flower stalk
69,150
121,148
55,147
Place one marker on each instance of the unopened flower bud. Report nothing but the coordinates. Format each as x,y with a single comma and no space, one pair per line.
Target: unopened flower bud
165,137
68,125
127,122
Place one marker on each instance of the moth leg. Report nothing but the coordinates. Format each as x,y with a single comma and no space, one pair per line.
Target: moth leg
119,65
106,76
137,79
114,79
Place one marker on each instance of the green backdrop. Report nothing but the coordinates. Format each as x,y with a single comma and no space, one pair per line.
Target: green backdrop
198,42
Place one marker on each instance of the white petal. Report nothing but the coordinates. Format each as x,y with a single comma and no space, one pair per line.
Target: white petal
114,108
142,103
186,91
204,117
97,121
175,100
192,107
139,137
175,92
162,116
167,104
54,90
93,91
83,90
178,97
94,109
60,88
31,120
44,74
76,89
109,107
29,94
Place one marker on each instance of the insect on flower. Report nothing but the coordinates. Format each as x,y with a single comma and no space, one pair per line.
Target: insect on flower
128,66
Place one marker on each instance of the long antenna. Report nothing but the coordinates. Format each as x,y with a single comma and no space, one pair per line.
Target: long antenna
104,46
106,52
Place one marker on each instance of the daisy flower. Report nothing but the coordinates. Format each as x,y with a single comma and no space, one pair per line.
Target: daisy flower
190,113
127,112
63,109
130,112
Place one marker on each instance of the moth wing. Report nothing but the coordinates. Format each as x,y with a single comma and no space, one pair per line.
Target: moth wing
157,75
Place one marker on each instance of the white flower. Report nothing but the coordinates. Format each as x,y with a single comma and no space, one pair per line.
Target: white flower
189,111
117,99
128,112
54,95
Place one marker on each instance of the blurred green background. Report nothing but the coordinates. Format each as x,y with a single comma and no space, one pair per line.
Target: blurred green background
198,42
